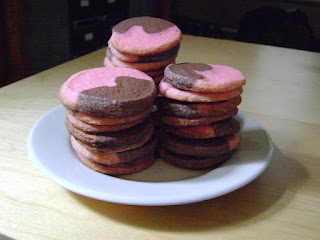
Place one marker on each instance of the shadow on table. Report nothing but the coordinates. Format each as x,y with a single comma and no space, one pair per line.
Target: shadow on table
266,195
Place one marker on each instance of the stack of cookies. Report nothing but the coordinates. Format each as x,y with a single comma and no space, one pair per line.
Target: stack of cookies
147,44
196,109
107,113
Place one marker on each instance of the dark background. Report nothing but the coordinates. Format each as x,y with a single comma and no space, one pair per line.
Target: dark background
37,35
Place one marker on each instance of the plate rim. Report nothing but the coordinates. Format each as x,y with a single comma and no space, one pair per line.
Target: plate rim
134,200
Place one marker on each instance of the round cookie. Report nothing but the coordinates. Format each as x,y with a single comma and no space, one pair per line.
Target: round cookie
199,147
109,92
200,77
216,129
140,133
145,36
110,120
167,90
114,158
142,66
189,109
117,149
194,163
136,58
120,169
151,72
101,128
180,121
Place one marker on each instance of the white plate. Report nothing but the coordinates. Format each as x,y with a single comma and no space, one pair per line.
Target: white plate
162,184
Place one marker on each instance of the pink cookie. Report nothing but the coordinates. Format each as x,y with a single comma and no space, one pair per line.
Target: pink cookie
192,162
215,129
86,127
135,166
190,109
145,36
151,73
180,121
111,142
114,158
117,149
142,66
110,120
167,90
199,147
200,77
109,92
136,58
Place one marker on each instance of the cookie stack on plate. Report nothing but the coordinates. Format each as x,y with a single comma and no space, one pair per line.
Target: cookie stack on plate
147,44
107,113
196,111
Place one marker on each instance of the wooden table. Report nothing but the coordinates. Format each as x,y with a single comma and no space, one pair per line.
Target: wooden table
282,92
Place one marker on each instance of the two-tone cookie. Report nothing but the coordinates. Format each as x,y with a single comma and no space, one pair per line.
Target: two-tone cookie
145,43
107,116
123,139
114,158
200,77
199,147
134,166
199,93
197,153
90,119
214,129
193,162
108,92
196,109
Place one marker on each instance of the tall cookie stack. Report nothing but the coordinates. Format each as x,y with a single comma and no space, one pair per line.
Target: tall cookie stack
108,118
196,109
144,43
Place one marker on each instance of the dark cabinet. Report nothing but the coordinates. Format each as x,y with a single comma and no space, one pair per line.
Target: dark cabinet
58,31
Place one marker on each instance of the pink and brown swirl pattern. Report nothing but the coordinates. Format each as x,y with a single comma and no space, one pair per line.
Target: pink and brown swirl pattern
201,77
145,36
108,92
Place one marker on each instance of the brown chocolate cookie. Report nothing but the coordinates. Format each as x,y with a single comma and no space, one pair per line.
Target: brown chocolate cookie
149,24
122,168
215,129
111,140
111,52
192,110
114,158
195,163
199,147
183,122
109,120
86,127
